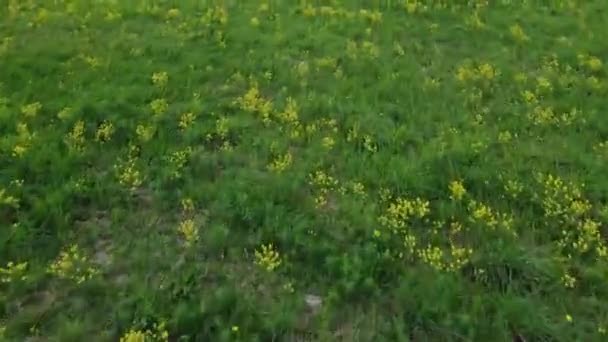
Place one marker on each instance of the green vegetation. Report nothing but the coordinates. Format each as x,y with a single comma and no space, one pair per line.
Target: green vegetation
337,170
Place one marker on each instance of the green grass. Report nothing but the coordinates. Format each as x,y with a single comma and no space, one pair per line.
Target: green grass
192,170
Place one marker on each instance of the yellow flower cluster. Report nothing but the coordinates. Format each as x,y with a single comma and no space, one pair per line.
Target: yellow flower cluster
517,32
177,160
568,281
159,106
216,15
432,256
415,6
457,190
127,171
358,188
74,265
104,132
253,102
365,49
267,257
561,199
584,238
401,210
490,218
324,183
24,140
173,13
545,115
186,120
158,333
145,132
8,200
436,258
372,16
513,188
290,113
75,138
592,63
469,72
31,110
280,163
187,206
222,127
187,228
160,79
13,272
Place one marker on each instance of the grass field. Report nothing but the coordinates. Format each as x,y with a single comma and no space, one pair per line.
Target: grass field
303,171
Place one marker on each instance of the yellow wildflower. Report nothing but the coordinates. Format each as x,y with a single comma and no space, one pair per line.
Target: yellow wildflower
134,336
189,232
280,163
159,106
328,142
173,13
72,264
75,138
160,79
13,272
457,190
8,200
31,110
186,120
518,33
568,280
267,257
104,132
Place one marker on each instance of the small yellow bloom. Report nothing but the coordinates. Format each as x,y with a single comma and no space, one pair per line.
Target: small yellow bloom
504,137
187,205
518,33
280,163
65,113
145,133
76,139
594,63
487,71
104,132
267,257
31,110
189,232
128,174
235,328
13,272
159,106
134,336
328,142
568,281
160,79
173,13
568,318
73,264
457,190
186,120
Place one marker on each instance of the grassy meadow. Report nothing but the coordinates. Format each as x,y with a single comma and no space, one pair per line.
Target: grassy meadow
303,170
